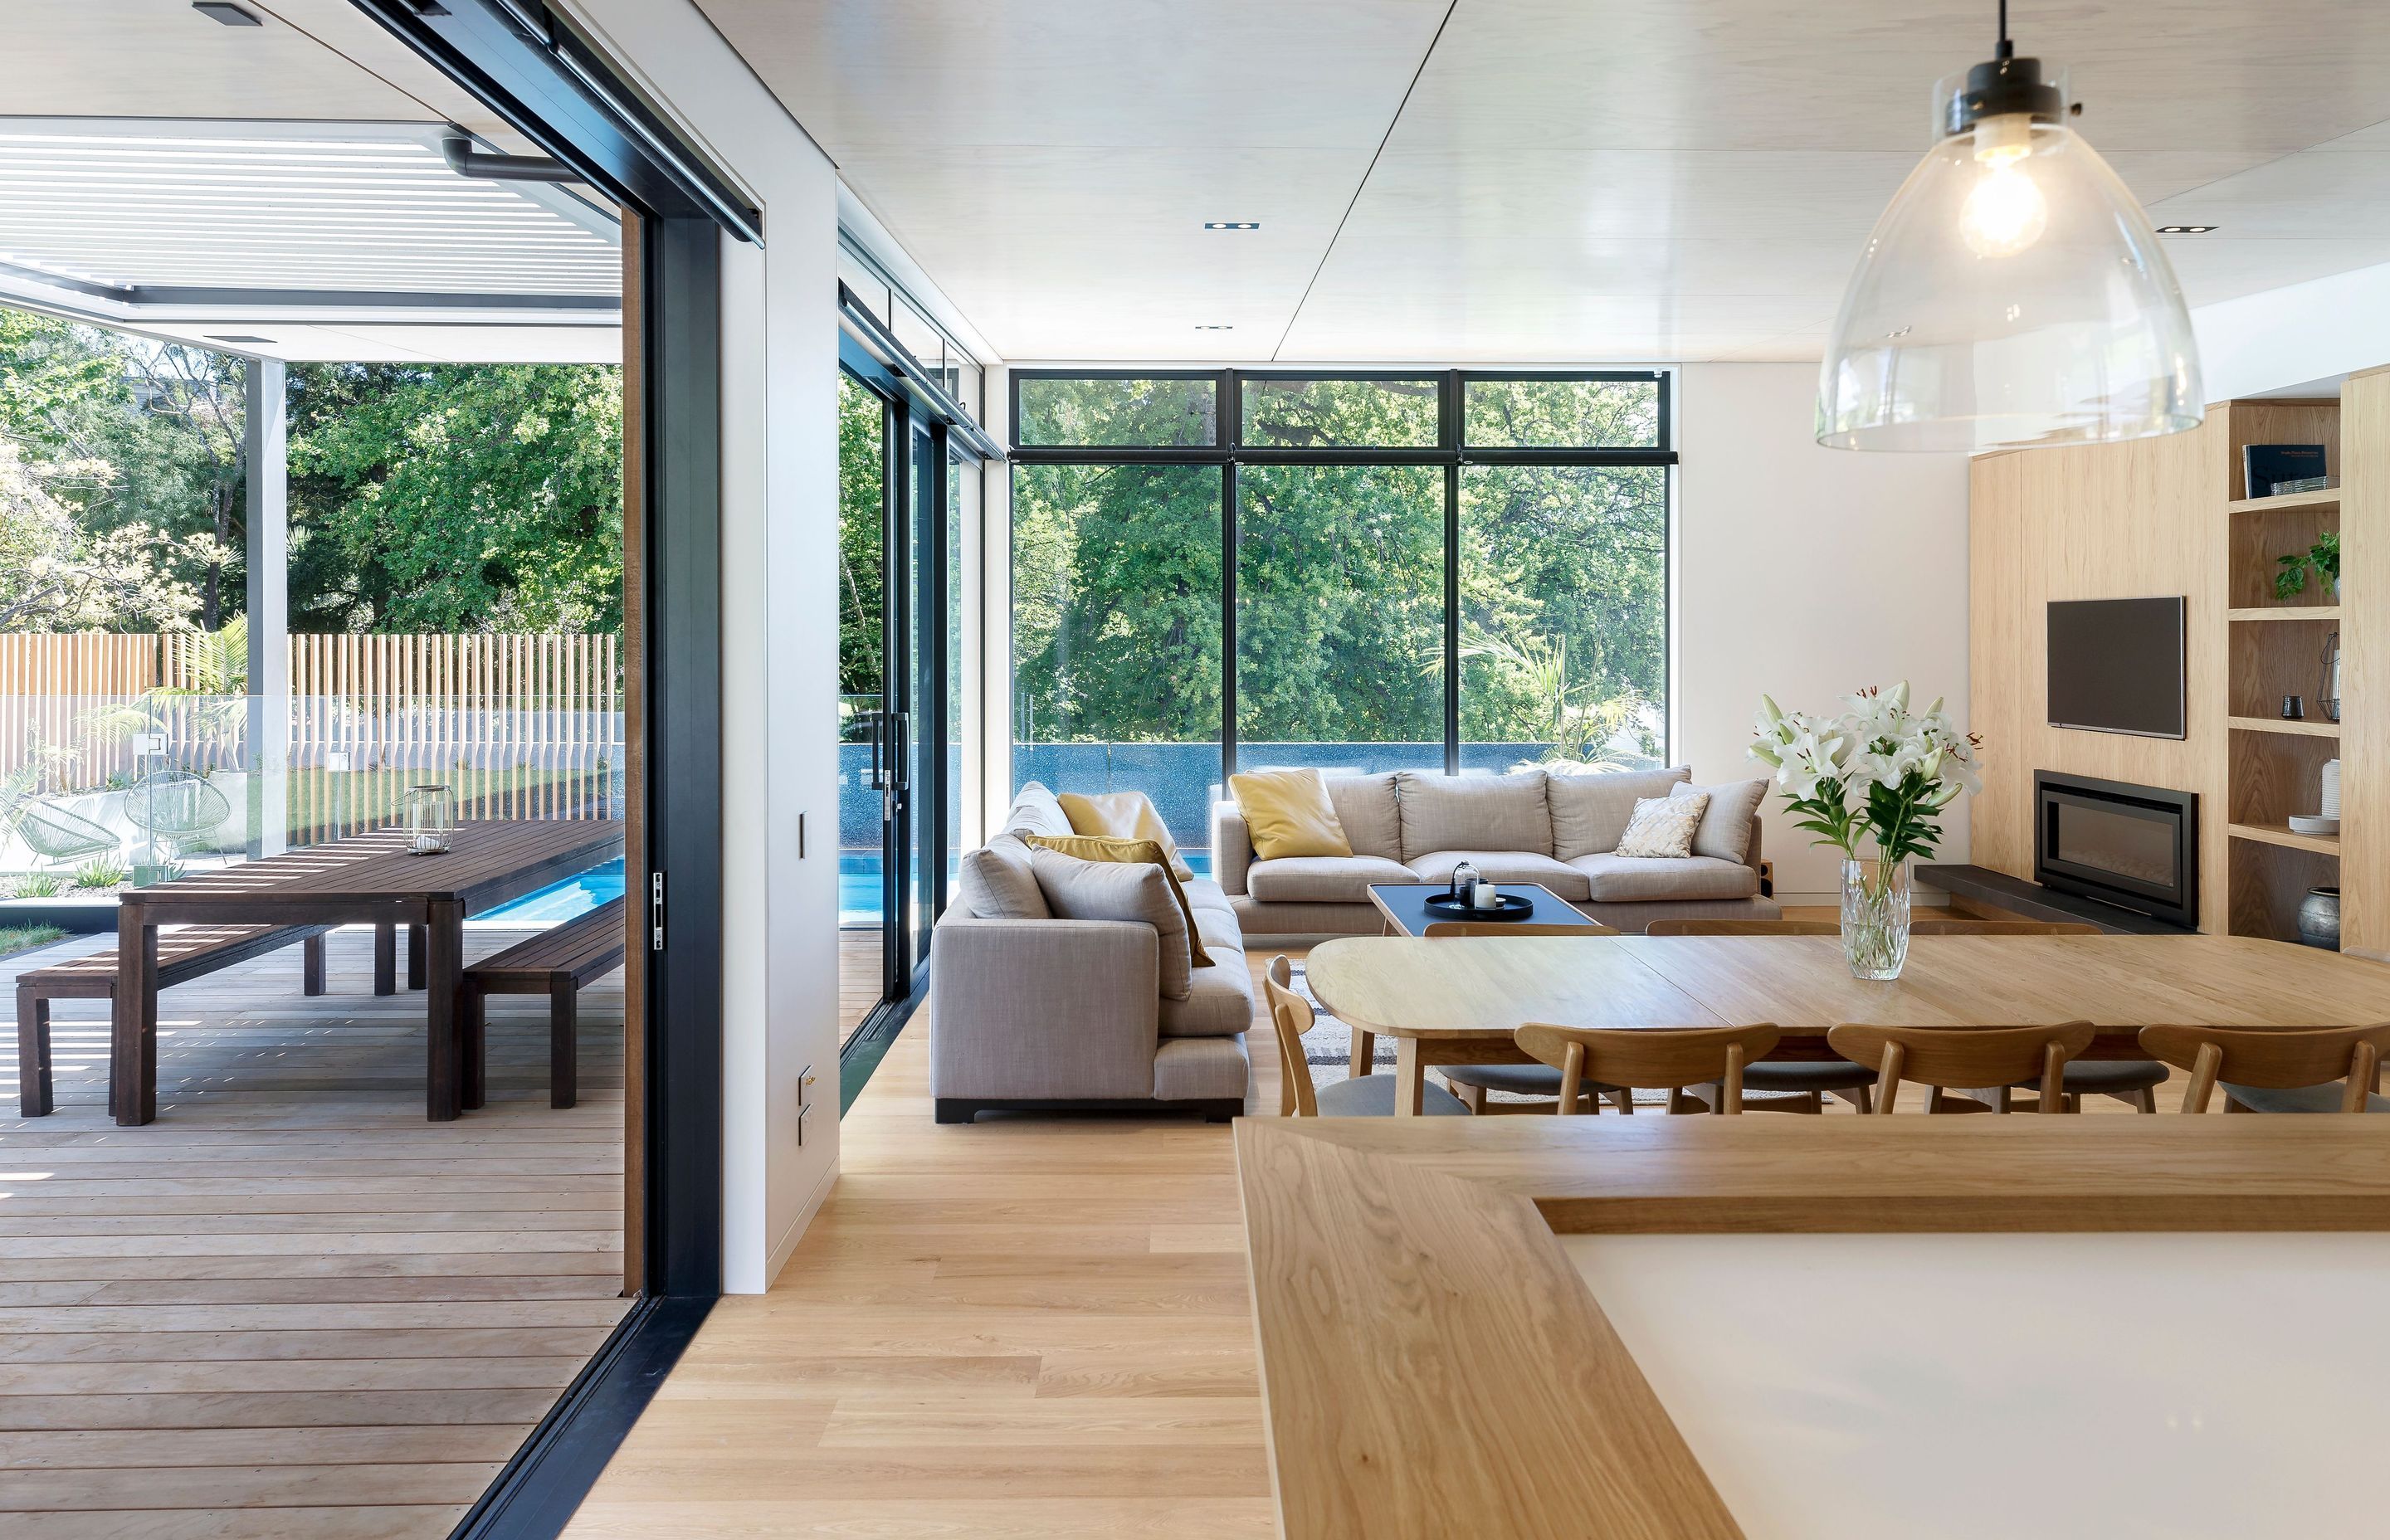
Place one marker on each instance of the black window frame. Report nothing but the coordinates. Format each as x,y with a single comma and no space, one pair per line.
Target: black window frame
1451,452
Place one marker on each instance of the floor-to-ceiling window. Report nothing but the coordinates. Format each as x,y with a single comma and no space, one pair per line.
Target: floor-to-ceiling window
1430,570
909,463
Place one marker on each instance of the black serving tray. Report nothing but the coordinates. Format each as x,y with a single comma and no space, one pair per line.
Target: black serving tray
1445,906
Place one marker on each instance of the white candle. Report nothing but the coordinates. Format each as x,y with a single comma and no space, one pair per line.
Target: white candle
1482,896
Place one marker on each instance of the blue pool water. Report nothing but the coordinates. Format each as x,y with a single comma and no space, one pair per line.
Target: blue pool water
858,891
576,894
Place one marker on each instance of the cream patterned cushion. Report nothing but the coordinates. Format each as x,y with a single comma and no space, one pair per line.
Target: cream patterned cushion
1589,812
1661,827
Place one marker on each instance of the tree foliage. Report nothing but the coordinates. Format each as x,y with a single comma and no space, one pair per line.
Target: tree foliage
456,497
1341,571
436,498
862,537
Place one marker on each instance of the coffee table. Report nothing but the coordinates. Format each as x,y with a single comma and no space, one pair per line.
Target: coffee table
1404,905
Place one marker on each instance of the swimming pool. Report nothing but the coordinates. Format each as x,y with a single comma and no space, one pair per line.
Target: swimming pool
858,891
858,894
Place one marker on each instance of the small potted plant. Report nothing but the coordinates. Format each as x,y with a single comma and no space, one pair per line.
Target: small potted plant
2322,559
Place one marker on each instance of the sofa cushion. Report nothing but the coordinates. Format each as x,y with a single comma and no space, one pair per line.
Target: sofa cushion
1441,812
1499,867
1366,806
1289,812
1219,930
998,884
1122,816
1137,891
1661,828
1200,1069
1037,811
1219,1003
1725,831
1628,878
1098,847
1321,879
1204,894
1590,811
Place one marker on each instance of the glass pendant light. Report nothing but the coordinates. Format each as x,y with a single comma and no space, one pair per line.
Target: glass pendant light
2012,294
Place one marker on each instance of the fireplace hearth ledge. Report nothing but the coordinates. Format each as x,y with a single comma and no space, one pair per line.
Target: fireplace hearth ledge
2020,896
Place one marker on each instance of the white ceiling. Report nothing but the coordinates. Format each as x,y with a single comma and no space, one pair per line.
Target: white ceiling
147,147
1626,180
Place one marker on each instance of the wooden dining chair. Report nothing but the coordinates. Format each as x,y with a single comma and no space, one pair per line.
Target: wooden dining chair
1809,1083
1742,927
1444,929
1663,1059
1960,925
2317,1070
1527,1080
1948,1059
1368,1096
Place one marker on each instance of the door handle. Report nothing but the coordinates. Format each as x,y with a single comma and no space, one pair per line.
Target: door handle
903,751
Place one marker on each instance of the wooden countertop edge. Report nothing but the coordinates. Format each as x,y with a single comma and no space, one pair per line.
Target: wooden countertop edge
1431,1363
1537,1416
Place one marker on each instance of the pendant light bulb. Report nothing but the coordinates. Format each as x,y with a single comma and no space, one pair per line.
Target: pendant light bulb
2012,293
2006,212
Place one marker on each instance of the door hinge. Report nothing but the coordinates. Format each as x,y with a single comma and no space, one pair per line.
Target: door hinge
656,910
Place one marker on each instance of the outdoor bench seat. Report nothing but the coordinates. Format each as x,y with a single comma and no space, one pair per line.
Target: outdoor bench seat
556,963
185,952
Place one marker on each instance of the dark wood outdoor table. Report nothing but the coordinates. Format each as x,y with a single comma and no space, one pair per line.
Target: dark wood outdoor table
368,880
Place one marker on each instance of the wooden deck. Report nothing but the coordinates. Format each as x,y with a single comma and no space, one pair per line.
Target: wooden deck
291,1306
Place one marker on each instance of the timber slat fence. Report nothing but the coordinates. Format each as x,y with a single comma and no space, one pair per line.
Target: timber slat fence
520,726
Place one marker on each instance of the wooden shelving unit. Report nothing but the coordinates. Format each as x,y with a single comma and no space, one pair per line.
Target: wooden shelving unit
2327,498
2284,836
2274,647
2276,724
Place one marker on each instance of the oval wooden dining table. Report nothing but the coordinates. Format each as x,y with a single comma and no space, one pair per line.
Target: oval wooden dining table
1458,1001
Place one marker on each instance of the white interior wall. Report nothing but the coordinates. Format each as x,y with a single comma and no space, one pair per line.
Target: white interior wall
1805,573
2289,336
779,637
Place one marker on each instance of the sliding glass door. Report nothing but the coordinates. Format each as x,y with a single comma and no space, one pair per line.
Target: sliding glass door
899,692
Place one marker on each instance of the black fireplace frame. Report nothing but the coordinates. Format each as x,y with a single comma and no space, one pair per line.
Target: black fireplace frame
2178,904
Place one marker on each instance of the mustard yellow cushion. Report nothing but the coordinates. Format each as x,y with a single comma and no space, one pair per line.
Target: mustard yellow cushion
1289,814
1124,815
1100,847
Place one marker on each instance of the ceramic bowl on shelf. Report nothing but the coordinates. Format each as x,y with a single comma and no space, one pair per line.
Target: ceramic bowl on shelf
2302,823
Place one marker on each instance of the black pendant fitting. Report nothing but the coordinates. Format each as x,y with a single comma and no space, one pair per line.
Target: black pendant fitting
1999,86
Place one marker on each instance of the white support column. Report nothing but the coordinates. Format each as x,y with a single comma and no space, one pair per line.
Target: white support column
269,609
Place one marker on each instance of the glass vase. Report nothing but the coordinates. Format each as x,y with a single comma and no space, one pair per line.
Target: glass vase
430,819
1875,917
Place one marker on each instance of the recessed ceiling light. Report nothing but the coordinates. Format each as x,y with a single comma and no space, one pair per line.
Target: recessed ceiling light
235,336
1233,224
2184,229
225,12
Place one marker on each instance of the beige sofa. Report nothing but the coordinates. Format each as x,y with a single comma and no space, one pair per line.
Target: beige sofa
1037,1013
1557,831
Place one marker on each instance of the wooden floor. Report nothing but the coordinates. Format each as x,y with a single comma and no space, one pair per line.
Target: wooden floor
1024,1328
859,985
292,1307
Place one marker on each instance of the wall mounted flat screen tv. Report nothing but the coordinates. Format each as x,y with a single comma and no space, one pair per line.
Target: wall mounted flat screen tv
2116,666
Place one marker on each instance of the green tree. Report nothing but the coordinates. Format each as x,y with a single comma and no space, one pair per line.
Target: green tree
456,497
862,539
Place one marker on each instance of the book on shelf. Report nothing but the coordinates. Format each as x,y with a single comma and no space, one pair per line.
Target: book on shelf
2266,468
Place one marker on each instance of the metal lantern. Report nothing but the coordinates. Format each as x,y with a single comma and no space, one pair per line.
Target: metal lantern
2328,692
430,819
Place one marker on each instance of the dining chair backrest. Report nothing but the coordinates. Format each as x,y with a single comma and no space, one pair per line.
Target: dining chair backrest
1950,1058
1660,1060
2272,1060
1741,927
1445,929
1290,1015
1962,926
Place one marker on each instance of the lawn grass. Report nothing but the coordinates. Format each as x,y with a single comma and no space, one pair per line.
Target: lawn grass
25,938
